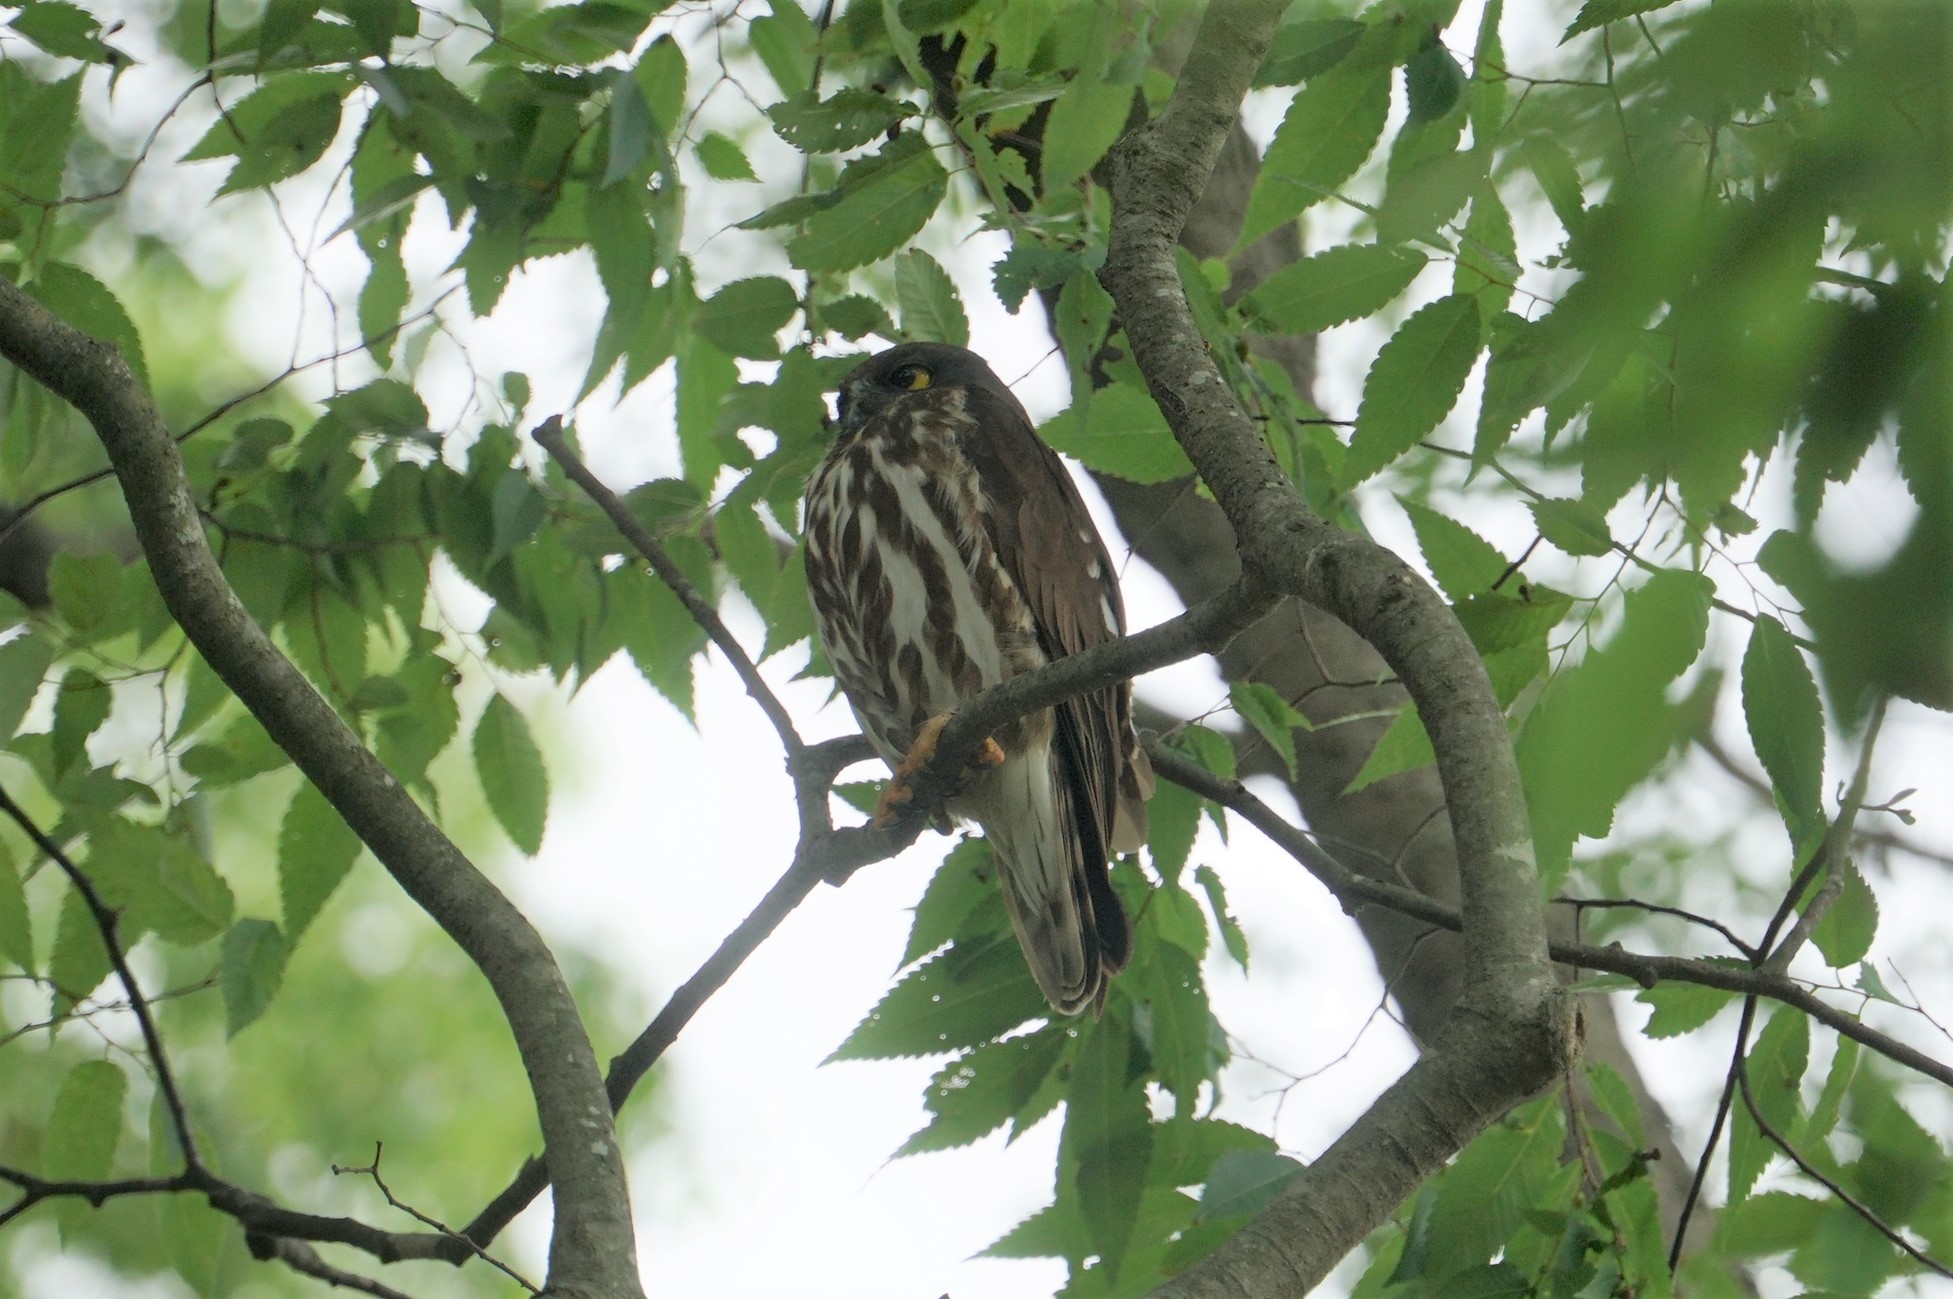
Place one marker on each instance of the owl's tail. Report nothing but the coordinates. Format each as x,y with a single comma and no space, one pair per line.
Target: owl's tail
1052,870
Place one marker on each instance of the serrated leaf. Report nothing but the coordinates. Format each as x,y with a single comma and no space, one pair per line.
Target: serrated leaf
250,968
1775,1066
1416,379
1462,563
63,30
1172,822
742,318
79,961
80,707
977,1093
848,119
722,158
1180,1027
1681,1007
1786,723
1488,256
1403,746
1433,82
91,306
1306,48
155,880
1275,719
965,883
16,934
1086,120
1108,1137
1598,13
931,309
24,662
1558,176
1844,934
1498,622
316,848
1481,1200
954,1000
1527,369
85,1124
1242,1182
1601,726
879,204
1324,137
1574,526
1118,430
1335,285
1232,938
512,774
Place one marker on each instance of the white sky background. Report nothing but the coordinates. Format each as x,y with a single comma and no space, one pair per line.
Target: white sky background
662,838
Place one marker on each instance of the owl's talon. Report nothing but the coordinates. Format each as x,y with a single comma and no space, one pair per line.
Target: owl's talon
896,793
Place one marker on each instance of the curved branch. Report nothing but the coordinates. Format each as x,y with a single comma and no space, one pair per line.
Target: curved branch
1514,1028
592,1250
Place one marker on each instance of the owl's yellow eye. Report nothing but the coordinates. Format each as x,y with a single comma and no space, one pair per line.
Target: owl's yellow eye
913,377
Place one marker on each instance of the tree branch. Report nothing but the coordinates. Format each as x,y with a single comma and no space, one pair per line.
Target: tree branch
1517,1027
592,1251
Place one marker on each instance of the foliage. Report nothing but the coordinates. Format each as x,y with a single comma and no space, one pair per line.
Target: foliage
1741,282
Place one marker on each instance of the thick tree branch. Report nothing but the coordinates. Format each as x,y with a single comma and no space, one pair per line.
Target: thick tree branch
1513,1030
592,1251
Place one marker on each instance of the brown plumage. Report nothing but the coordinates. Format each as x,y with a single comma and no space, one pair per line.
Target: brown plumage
947,550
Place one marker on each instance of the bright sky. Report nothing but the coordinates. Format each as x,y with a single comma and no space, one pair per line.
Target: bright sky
662,838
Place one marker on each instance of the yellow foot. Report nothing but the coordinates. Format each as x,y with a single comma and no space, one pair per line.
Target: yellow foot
895,794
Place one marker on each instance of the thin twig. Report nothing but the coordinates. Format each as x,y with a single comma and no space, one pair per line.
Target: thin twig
372,1170
1811,1171
1714,1138
105,924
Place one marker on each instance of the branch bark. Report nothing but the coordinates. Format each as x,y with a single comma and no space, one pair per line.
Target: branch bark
1513,1029
592,1251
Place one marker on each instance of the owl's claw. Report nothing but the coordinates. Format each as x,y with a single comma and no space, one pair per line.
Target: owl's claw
896,793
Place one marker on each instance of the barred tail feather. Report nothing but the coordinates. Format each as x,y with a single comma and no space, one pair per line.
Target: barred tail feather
1026,812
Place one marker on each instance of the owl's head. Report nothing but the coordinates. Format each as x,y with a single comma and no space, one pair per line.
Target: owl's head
887,377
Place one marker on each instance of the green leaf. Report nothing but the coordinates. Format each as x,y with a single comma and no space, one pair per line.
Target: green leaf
1172,821
1306,48
1786,723
1775,1067
1086,120
92,307
24,662
156,881
315,850
1433,82
79,709
965,884
1598,13
722,158
742,318
1681,1007
1462,563
285,127
1845,932
1498,622
249,970
1558,176
79,961
1030,266
845,120
35,130
85,1124
512,774
1324,137
1275,719
1775,1222
931,309
1527,369
1178,1027
1232,938
1416,379
63,30
1403,746
958,999
1488,256
516,511
977,1093
1601,726
1242,1182
785,40
1483,1197
1118,430
1338,284
877,206
16,933
1108,1138
1574,526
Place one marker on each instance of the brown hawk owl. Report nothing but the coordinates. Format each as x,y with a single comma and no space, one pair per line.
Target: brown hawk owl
947,551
